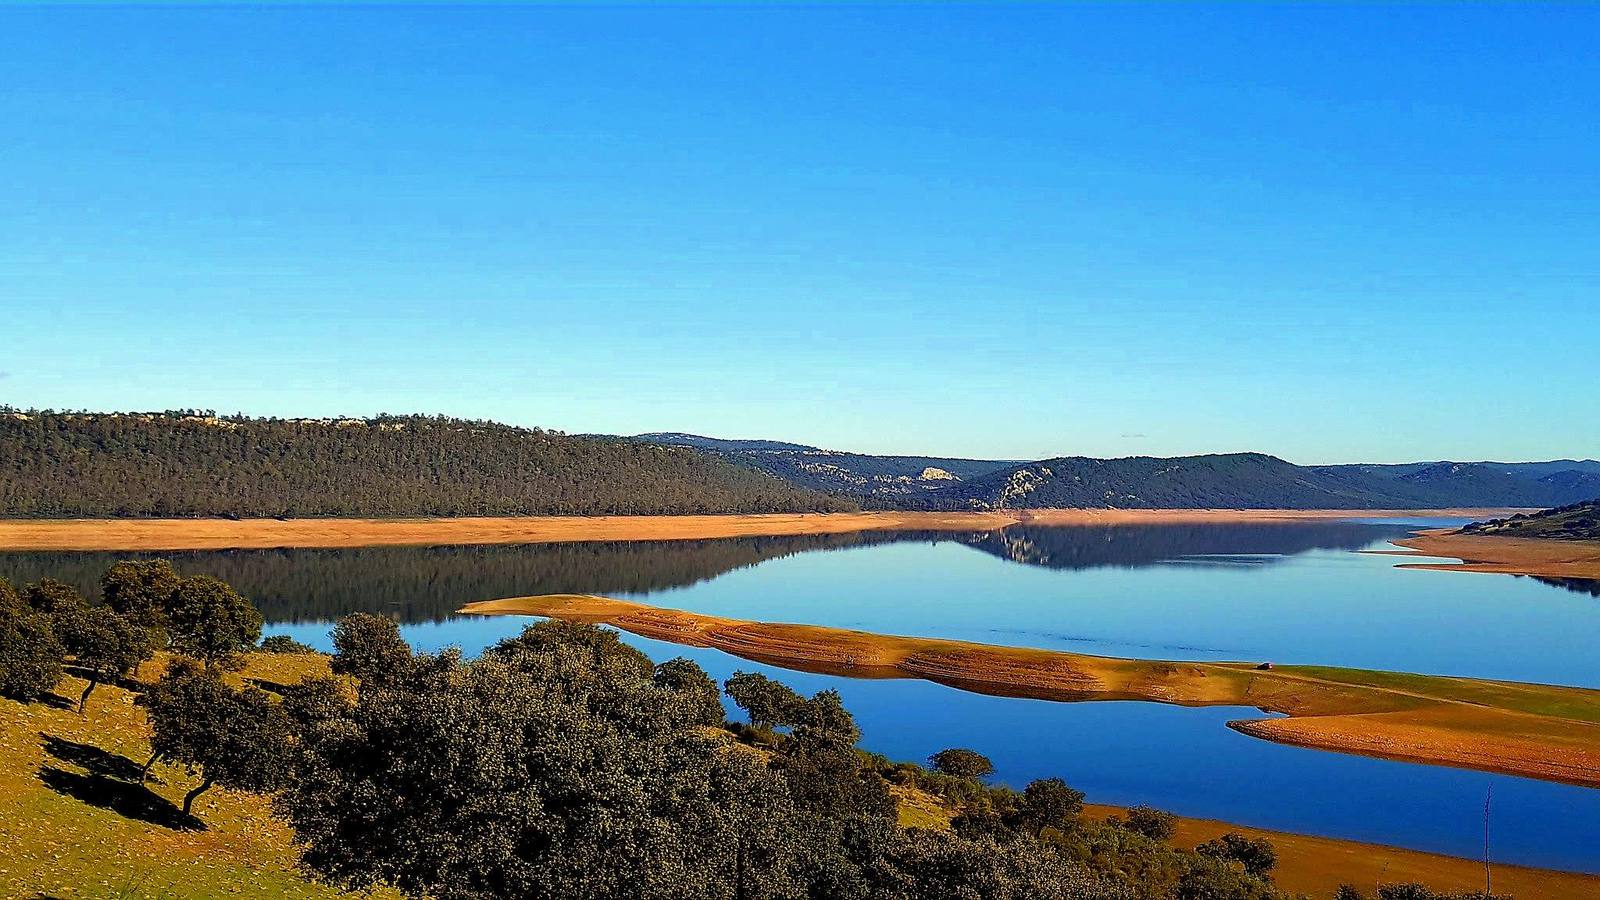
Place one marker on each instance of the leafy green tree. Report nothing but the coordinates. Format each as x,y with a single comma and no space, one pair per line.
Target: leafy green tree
236,739
140,590
182,708
1154,824
30,654
105,644
48,595
209,621
960,762
1256,854
827,779
686,677
369,647
768,703
313,701
1049,803
823,717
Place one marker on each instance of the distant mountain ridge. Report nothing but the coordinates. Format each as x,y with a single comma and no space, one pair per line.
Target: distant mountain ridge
888,481
195,463
1226,480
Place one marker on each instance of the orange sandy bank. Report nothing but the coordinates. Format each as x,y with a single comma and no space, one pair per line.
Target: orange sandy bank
226,534
1506,555
1539,731
1318,865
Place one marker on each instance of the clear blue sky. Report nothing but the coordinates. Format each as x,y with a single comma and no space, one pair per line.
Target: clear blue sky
1338,234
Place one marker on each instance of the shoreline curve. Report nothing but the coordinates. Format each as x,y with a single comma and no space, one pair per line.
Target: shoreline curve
264,534
1548,732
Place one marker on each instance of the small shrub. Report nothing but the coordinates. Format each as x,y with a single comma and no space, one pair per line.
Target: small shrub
1152,823
961,763
1256,855
282,643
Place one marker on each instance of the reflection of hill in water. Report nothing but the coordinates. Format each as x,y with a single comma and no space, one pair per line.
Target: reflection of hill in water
1233,545
417,584
1590,586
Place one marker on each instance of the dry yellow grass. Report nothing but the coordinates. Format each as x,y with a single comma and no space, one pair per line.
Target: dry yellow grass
70,833
225,534
1504,554
1539,731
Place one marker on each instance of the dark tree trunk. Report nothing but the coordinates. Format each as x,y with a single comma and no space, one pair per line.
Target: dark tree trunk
85,698
144,771
738,869
188,799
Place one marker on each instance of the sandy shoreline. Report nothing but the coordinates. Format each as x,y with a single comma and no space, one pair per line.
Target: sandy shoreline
1539,731
1505,555
227,534
1316,865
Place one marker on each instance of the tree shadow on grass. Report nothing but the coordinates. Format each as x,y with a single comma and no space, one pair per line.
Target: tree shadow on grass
92,758
276,687
133,801
56,701
132,685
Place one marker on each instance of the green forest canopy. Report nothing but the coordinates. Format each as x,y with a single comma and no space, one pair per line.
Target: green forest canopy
194,463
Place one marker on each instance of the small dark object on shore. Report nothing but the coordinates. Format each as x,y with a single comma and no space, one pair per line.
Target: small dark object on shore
1264,667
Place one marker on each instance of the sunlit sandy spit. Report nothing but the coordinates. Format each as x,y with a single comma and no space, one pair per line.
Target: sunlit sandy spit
1507,555
1314,865
228,534
1539,731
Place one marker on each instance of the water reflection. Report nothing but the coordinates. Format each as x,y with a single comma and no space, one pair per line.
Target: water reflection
428,584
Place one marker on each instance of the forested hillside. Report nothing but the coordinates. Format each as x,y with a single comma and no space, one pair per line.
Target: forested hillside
883,482
1252,480
55,465
1259,481
1575,522
183,464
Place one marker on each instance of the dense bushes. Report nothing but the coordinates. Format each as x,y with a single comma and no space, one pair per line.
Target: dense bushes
148,605
563,764
30,653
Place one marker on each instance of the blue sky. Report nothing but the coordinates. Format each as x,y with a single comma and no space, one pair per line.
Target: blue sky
1333,234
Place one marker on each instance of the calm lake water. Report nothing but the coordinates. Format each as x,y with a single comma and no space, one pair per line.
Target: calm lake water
1291,593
